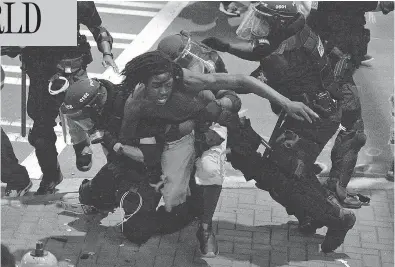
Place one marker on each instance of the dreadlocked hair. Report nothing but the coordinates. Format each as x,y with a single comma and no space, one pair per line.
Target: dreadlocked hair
141,68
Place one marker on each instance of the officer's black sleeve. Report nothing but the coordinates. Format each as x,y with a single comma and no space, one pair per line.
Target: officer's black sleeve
88,15
366,6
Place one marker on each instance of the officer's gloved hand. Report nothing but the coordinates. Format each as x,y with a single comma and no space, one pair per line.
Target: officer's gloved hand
212,111
386,6
216,44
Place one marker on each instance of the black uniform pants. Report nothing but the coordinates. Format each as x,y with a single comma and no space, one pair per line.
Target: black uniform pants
106,189
348,142
304,196
43,108
12,173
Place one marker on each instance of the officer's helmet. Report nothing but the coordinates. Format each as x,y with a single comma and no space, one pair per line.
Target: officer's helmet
268,17
84,99
188,53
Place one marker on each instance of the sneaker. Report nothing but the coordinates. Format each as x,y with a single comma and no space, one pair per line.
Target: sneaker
49,188
335,237
83,159
18,192
207,243
351,202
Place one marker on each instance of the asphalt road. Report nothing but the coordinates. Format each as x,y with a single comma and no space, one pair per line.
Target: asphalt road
126,20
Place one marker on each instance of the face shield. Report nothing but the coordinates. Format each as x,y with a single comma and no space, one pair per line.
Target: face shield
195,57
254,25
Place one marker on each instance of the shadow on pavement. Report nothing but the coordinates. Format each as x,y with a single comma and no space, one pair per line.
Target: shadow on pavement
105,245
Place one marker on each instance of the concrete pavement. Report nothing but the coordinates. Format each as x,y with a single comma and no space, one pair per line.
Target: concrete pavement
252,230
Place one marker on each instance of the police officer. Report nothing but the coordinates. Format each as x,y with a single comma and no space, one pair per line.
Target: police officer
51,70
341,27
293,61
103,109
12,173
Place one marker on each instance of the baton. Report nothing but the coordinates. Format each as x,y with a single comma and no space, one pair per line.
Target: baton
63,122
23,98
274,134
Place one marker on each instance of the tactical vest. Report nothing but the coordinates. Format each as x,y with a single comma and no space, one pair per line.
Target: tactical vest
299,66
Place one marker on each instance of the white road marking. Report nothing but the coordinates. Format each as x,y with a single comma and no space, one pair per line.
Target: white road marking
17,123
241,112
156,5
147,37
29,124
18,81
344,262
115,35
129,12
16,137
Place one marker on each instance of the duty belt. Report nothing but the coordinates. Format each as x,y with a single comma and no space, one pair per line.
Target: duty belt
320,102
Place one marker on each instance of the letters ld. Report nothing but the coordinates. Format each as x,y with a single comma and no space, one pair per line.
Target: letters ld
6,8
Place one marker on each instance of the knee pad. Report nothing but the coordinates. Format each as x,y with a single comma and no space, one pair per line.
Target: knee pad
347,218
359,139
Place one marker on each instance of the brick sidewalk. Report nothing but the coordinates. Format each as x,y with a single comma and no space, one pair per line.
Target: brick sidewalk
252,230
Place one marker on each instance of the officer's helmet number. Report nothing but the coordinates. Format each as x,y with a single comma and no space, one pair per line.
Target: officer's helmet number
84,97
281,6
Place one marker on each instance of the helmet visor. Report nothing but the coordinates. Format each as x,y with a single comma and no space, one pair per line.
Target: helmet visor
86,124
254,25
195,57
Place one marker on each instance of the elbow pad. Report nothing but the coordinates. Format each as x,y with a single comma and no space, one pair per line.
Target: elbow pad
262,48
104,36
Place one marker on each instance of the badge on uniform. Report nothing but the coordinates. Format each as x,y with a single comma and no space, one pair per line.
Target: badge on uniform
320,47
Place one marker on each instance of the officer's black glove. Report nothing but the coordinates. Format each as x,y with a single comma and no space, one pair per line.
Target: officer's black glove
11,51
386,6
216,44
212,111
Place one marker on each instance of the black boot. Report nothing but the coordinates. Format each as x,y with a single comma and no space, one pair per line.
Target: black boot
335,236
48,184
83,156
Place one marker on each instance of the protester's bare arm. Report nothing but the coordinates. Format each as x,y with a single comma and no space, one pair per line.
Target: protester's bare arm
243,84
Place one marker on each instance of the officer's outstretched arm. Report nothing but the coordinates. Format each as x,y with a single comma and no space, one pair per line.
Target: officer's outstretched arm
243,84
243,50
